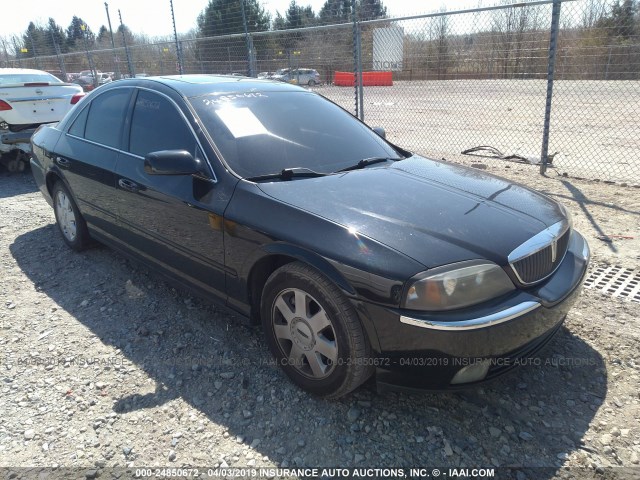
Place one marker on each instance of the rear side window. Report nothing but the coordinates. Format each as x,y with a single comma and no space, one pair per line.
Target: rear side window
157,125
77,128
106,116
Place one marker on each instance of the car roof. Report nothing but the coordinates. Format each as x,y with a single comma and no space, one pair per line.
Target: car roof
195,85
13,71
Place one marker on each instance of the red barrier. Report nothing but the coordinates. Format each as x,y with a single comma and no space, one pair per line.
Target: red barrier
369,79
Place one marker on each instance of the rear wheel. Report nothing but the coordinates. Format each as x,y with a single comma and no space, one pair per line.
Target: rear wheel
313,332
70,222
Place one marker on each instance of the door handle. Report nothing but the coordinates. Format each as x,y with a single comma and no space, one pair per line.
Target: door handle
128,185
63,162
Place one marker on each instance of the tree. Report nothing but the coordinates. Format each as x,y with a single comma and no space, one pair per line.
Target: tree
128,36
621,23
439,30
104,38
77,31
34,40
224,17
298,16
371,9
335,11
339,11
57,36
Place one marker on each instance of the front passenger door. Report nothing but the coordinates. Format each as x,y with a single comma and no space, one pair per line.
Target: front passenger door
173,221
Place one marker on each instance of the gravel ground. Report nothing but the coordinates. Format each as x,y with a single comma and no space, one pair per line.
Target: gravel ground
105,365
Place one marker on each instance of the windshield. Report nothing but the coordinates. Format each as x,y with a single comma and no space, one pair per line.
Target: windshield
18,78
261,133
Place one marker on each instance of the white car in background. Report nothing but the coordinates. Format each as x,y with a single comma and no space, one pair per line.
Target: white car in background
28,99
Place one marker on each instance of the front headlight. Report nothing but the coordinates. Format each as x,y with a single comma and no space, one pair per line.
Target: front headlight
456,286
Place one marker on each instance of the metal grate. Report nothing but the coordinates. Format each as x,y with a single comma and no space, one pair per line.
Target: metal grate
616,281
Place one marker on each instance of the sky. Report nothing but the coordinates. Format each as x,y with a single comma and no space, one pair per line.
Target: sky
153,17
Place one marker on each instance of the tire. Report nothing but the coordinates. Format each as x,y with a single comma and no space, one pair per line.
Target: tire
311,83
70,223
322,347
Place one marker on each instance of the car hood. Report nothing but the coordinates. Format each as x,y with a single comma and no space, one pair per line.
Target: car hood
434,212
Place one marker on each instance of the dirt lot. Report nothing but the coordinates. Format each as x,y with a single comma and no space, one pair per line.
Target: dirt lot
595,125
105,365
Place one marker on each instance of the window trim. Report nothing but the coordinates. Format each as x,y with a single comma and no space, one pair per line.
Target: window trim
129,116
67,125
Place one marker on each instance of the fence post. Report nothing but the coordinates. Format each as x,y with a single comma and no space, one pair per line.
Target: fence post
606,71
6,54
126,47
92,66
357,62
35,52
18,52
113,43
553,47
175,36
63,70
247,39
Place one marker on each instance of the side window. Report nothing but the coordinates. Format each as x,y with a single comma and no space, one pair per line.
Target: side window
157,125
79,123
108,112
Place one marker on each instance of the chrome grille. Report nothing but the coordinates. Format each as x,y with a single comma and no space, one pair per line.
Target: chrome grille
539,257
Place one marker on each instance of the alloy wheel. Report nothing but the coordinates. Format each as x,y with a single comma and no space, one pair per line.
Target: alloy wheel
304,333
66,216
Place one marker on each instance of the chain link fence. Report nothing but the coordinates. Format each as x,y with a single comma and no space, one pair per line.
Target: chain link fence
555,82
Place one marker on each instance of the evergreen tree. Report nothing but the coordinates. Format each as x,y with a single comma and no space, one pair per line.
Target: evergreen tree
335,11
76,32
103,36
339,11
298,16
224,17
55,33
34,40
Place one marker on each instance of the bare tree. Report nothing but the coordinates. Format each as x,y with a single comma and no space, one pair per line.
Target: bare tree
438,32
593,12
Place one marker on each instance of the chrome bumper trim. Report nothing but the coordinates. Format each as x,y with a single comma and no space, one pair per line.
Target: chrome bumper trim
474,323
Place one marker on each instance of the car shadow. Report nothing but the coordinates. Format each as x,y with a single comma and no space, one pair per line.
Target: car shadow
209,358
18,183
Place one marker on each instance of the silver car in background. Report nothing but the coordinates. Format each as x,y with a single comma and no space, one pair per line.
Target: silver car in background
298,76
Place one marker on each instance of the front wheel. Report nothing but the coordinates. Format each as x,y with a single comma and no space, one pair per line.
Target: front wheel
70,222
313,332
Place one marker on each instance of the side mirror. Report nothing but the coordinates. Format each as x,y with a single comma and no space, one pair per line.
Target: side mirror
171,162
380,131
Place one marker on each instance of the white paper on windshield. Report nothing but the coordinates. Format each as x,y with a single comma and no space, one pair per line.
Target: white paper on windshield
241,122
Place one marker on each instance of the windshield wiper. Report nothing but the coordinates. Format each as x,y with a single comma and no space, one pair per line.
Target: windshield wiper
366,162
288,174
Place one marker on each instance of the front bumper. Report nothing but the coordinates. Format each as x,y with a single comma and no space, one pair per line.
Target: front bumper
426,351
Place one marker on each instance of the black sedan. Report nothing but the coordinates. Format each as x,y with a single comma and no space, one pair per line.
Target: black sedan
356,256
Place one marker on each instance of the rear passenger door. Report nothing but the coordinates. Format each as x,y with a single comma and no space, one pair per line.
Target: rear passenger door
87,153
173,221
